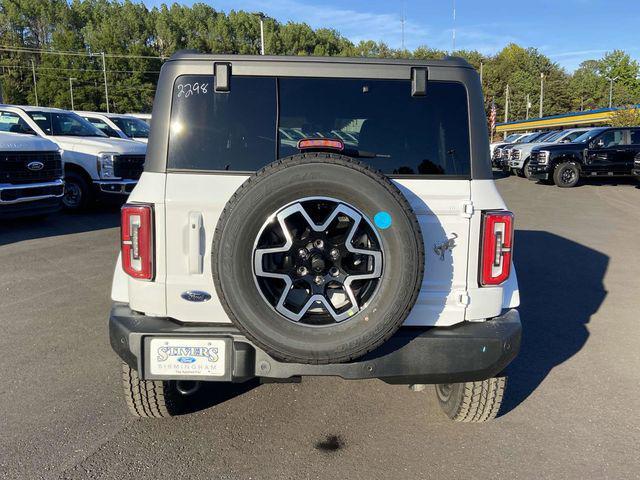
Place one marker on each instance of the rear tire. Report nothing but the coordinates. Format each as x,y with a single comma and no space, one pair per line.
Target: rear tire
472,401
148,398
566,175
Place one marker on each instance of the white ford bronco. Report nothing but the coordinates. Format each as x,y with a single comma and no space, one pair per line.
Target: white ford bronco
31,180
316,216
95,166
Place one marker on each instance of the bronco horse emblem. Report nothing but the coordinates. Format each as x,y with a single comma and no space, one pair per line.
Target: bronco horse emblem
441,248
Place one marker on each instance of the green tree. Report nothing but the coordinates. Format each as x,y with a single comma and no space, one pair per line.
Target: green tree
626,117
587,87
619,65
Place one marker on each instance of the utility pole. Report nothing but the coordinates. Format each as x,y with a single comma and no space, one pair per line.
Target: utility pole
481,65
541,93
402,20
261,36
506,104
261,16
453,35
611,80
104,73
71,79
528,106
35,84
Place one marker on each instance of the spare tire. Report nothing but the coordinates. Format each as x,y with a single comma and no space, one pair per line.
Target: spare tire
317,258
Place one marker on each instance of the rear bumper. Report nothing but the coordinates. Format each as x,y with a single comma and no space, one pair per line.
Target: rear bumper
465,352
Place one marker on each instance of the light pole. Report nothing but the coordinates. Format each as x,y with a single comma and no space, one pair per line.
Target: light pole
506,104
104,73
528,105
71,79
453,32
261,16
541,93
611,80
35,84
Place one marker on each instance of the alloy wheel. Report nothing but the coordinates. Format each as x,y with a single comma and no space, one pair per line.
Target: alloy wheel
317,261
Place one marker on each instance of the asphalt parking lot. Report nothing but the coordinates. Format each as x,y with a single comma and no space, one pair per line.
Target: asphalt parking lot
572,403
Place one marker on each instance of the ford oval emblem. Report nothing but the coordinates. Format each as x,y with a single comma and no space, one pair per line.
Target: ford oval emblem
35,166
186,359
195,296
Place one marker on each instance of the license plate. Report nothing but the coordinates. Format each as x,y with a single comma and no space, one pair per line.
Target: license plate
187,357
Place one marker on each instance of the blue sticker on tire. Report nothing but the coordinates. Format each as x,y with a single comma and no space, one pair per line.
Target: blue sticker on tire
382,220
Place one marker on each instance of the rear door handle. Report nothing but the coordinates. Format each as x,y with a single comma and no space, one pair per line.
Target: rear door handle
196,243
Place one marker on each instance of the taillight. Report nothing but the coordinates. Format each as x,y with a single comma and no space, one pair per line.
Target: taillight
137,240
496,248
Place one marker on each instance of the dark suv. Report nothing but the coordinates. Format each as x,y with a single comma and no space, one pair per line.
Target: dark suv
604,151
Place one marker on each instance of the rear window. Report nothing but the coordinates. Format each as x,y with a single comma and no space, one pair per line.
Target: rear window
263,118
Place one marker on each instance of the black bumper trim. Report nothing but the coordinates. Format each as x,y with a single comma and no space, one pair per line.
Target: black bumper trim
539,175
469,351
32,208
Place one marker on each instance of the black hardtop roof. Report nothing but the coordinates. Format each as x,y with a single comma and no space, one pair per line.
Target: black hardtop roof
445,62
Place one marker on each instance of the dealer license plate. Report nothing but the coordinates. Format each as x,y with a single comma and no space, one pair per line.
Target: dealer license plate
187,356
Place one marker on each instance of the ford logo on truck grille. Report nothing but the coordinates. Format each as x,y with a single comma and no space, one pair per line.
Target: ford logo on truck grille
35,166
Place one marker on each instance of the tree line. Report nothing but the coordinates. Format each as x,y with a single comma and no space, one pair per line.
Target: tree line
138,39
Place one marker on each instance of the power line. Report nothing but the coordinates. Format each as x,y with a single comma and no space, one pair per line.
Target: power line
81,69
78,54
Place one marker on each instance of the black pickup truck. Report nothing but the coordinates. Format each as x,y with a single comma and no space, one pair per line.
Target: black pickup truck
604,151
636,167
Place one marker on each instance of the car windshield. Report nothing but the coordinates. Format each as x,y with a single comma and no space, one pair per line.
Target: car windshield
65,124
588,135
548,137
132,127
103,127
512,138
528,138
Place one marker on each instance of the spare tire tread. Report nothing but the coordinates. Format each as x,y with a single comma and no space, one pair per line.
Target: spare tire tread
301,159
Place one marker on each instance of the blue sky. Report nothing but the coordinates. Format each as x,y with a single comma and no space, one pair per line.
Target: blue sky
568,31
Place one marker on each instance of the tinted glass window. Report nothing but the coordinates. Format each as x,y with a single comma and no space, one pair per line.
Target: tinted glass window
64,124
588,135
612,138
572,136
132,127
11,122
381,122
104,128
222,131
635,137
377,120
552,137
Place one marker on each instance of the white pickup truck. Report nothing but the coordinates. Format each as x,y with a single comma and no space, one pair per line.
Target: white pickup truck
116,125
31,180
94,164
